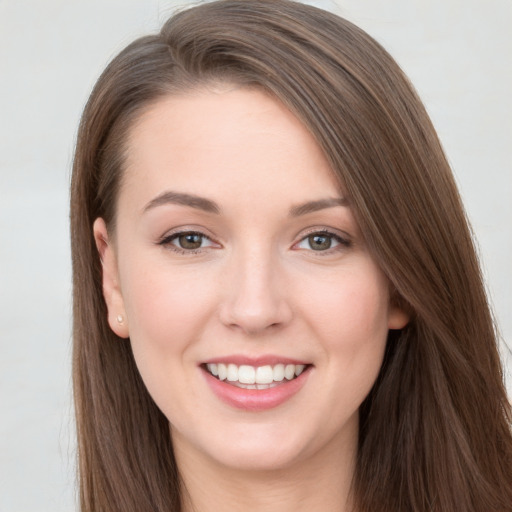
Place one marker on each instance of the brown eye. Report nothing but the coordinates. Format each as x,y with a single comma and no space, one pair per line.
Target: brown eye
187,241
320,242
190,241
323,241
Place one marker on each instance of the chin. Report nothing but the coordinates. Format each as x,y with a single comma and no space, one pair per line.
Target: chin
278,445
259,458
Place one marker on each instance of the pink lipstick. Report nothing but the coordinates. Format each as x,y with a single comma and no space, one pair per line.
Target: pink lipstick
255,384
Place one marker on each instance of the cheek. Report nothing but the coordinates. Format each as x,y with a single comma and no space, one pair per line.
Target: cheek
167,309
167,314
351,318
355,308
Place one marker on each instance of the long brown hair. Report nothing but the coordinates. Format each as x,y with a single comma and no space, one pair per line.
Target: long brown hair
435,430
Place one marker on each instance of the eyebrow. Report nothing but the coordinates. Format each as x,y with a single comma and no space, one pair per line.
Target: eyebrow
314,206
193,201
209,206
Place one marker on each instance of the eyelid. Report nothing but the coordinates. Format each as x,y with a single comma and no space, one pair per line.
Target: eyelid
167,239
344,239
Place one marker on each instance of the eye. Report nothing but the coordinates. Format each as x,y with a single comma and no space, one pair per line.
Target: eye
322,241
187,241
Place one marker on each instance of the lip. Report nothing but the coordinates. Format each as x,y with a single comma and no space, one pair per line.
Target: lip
264,360
255,400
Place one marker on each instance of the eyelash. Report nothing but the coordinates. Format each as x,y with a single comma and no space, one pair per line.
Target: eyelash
167,241
344,243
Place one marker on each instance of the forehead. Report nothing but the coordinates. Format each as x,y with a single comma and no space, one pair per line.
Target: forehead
230,141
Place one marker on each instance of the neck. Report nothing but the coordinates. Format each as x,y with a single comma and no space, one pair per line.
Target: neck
321,483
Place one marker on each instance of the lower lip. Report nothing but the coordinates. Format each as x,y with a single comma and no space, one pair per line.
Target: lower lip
256,399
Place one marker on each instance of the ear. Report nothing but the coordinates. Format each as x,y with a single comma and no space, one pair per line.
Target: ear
399,314
397,318
117,318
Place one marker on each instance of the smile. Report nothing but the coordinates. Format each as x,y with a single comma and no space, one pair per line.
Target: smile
254,386
251,377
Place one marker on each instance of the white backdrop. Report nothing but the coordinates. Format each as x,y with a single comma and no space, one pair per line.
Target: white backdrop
457,53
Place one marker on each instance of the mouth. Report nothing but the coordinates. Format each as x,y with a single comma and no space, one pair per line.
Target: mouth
255,377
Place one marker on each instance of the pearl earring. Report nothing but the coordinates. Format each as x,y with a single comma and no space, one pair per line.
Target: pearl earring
120,319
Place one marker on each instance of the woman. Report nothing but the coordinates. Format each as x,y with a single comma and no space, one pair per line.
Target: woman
277,303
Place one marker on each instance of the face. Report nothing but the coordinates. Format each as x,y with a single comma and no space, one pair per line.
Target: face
257,317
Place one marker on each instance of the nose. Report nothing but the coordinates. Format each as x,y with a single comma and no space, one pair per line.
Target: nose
255,298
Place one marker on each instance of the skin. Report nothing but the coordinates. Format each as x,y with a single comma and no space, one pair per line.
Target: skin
254,287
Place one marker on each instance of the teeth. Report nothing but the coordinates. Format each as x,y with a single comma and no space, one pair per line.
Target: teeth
279,372
232,375
249,375
264,375
223,371
246,374
213,369
289,371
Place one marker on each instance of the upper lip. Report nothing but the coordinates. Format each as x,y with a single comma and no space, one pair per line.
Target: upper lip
239,359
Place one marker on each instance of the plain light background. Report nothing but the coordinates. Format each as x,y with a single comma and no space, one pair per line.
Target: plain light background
456,52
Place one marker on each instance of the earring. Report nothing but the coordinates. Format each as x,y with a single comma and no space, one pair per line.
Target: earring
120,319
